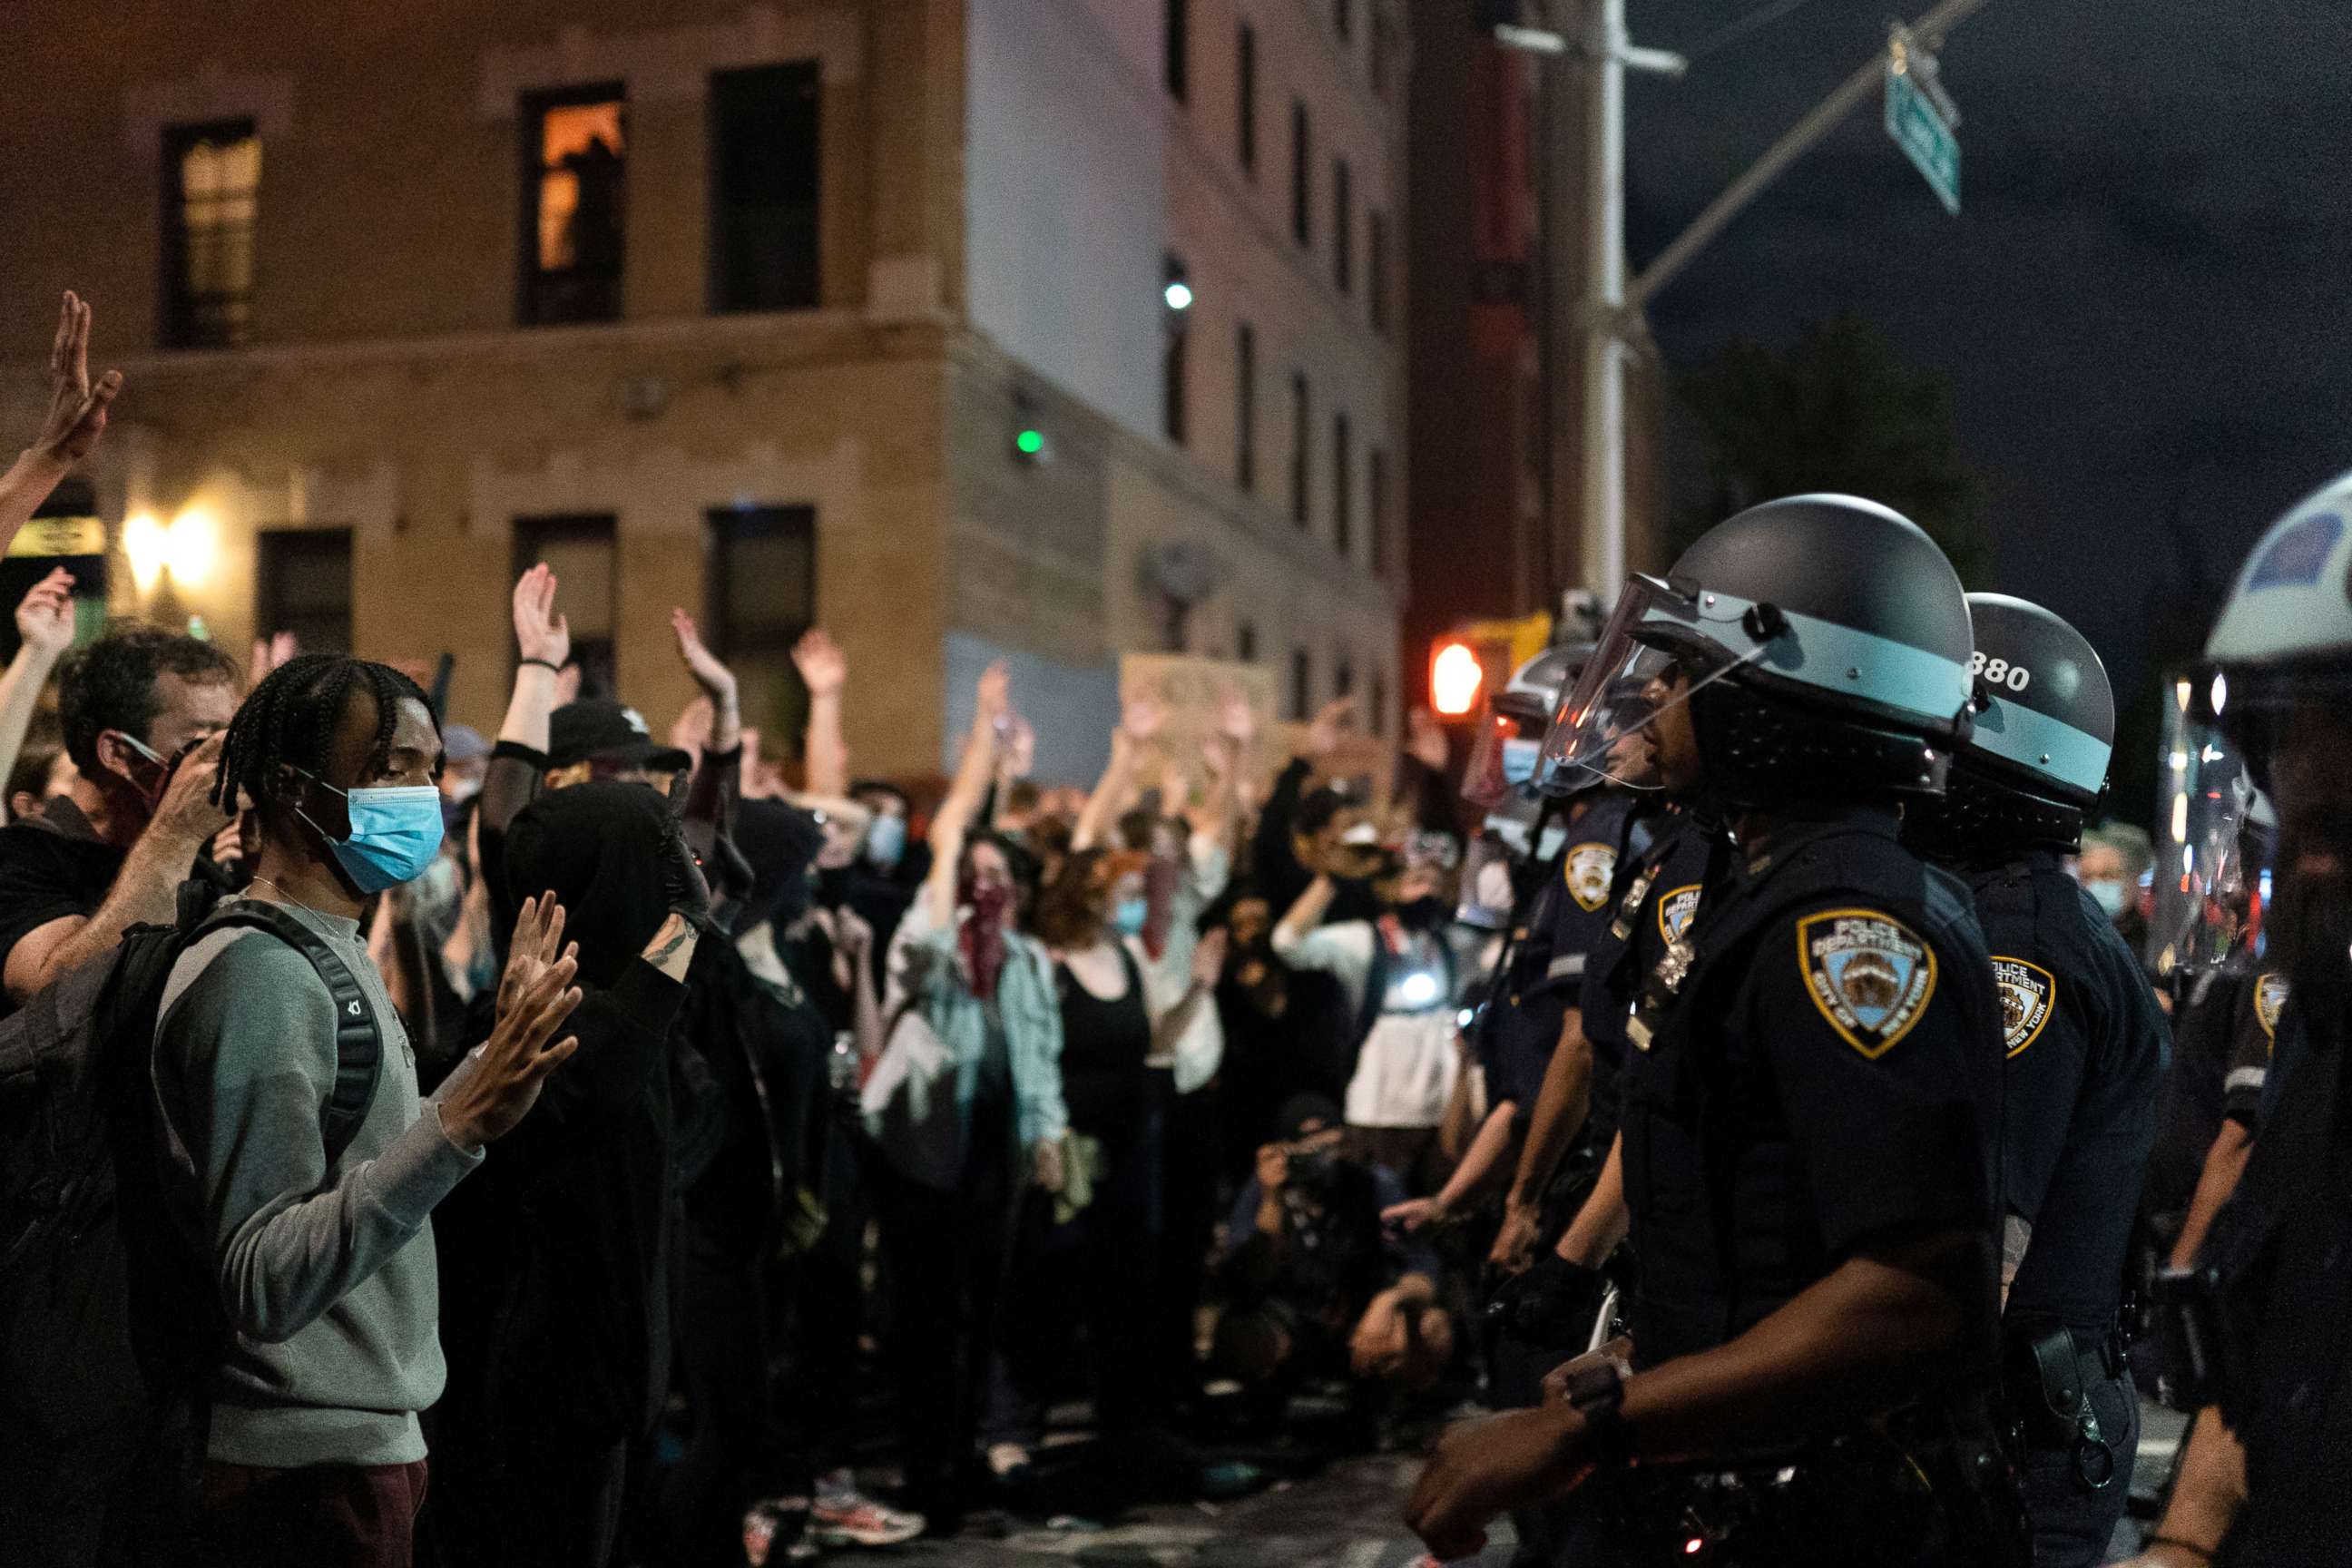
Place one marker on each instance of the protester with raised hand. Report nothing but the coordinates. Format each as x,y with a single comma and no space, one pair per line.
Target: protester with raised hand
824,670
70,430
556,1280
323,1258
136,706
960,1139
45,629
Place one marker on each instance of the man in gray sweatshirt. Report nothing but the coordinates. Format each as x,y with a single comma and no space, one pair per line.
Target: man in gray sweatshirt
325,1266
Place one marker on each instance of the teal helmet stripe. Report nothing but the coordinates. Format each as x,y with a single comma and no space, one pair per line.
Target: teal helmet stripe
1841,661
2036,741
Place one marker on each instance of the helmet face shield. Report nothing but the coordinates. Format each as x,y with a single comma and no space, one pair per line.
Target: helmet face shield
1648,662
2214,840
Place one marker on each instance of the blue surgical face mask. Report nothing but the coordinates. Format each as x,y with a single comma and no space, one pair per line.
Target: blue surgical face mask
395,833
1519,758
2108,896
1131,915
885,841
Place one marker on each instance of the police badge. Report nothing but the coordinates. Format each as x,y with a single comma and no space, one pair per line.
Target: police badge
2270,997
2026,990
1867,973
1591,867
1675,909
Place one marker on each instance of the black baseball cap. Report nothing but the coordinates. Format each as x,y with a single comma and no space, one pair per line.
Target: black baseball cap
608,731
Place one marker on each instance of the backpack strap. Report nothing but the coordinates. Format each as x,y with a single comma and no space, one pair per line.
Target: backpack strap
359,1043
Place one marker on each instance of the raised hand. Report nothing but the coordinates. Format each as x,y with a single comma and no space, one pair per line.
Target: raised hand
542,633
823,668
1325,734
46,619
1425,739
993,699
537,946
1236,720
77,412
716,680
1018,753
1141,719
510,1068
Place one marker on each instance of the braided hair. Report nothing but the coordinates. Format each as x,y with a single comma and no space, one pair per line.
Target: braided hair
291,719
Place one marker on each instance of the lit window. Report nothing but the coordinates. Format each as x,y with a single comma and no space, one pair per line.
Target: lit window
577,144
212,197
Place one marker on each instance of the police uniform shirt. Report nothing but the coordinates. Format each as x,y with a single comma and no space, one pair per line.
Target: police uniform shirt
1827,1078
1569,913
2253,1044
2085,1046
1656,899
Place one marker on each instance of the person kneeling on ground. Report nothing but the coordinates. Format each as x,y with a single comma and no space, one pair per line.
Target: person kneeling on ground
1315,1289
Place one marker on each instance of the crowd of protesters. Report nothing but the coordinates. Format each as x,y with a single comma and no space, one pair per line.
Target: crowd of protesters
589,1145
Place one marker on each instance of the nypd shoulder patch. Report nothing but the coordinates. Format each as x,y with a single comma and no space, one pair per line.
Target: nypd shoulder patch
1870,974
1591,868
1675,909
2270,998
2028,994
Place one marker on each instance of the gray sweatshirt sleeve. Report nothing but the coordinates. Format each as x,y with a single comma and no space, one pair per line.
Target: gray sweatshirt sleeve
254,1037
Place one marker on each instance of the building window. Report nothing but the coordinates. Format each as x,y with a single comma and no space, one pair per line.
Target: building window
1343,488
1301,440
1343,18
758,597
1302,176
211,194
1176,293
1343,227
1180,49
302,583
579,546
1380,703
1376,506
1246,407
1302,685
1245,642
1246,100
1383,54
764,188
575,167
1376,265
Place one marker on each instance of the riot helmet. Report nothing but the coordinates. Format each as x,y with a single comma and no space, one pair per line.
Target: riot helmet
1818,647
2037,761
1506,750
2280,688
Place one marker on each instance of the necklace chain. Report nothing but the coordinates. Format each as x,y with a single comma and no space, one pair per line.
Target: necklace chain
281,892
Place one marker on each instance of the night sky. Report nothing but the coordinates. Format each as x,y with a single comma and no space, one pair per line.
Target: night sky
2145,308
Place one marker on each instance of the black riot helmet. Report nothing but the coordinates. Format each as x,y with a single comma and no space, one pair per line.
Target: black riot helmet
2037,763
1506,748
1821,643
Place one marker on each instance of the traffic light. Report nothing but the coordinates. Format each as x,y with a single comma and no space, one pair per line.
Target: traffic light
1456,675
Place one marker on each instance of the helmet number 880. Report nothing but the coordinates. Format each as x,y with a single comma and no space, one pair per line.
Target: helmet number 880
2000,671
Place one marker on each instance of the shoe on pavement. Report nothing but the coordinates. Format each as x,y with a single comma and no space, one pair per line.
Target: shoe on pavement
857,1521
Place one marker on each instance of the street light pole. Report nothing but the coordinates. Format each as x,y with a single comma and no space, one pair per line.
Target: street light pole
1603,537
1607,299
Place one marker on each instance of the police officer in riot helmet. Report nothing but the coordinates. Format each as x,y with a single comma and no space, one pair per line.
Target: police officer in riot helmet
2085,1043
2266,1477
1811,1109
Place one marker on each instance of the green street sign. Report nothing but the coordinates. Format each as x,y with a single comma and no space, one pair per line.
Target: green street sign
1920,129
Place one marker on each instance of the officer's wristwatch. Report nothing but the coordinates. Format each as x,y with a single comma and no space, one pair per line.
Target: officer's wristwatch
1597,1392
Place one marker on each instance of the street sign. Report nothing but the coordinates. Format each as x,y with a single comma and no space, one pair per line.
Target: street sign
1919,128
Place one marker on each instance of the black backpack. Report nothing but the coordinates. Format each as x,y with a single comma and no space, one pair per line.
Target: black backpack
111,1322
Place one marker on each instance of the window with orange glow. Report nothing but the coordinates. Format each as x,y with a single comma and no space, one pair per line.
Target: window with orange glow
576,160
212,200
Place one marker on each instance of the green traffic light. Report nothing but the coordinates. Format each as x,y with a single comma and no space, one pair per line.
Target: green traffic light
1030,442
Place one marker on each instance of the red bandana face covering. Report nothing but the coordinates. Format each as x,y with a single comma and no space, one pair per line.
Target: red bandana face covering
1159,891
982,938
